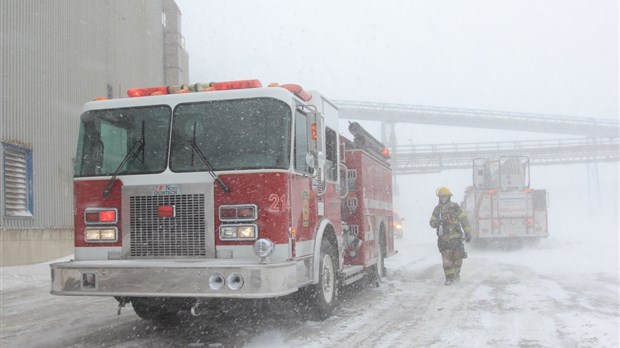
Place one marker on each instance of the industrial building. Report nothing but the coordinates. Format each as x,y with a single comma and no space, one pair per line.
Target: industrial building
55,56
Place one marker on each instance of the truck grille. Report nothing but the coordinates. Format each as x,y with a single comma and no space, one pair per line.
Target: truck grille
182,235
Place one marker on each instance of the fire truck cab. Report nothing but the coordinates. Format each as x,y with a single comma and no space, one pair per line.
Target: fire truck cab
501,206
186,194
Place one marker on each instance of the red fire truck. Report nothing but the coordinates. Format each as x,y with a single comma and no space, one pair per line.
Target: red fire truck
502,208
193,193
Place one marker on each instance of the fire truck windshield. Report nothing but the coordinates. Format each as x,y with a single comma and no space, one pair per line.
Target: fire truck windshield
232,134
107,136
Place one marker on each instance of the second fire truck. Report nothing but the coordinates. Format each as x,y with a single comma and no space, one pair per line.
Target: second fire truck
502,208
188,194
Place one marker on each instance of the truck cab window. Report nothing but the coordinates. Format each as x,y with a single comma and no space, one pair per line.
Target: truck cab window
235,134
301,142
107,136
331,158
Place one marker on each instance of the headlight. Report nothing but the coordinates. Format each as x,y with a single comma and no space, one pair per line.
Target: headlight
263,247
246,232
101,235
238,232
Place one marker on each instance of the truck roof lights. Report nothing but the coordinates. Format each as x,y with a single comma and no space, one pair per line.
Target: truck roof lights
298,91
241,84
145,92
196,87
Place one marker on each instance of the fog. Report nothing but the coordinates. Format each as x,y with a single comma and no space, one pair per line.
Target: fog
554,57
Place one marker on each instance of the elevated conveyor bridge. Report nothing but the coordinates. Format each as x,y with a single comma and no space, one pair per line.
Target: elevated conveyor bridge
457,117
599,142
418,159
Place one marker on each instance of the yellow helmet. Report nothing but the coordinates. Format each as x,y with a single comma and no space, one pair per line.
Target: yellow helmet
443,191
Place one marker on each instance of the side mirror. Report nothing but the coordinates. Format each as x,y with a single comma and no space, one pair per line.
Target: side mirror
310,159
321,157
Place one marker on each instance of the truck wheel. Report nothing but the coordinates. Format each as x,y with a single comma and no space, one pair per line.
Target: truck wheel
148,311
379,268
324,295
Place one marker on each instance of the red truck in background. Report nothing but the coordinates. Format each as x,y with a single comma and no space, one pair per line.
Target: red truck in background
502,208
184,195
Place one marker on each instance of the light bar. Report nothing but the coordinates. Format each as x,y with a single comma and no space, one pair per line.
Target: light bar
197,87
241,84
297,90
146,92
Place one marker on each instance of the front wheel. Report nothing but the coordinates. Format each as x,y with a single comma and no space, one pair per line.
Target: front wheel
155,311
324,295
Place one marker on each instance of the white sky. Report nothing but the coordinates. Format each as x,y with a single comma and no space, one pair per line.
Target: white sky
552,56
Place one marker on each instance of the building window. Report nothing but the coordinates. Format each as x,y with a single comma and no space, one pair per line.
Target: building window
17,180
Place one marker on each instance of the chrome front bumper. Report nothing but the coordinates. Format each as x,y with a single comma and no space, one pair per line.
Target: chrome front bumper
170,278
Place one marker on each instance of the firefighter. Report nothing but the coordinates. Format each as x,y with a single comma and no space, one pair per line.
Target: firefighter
450,221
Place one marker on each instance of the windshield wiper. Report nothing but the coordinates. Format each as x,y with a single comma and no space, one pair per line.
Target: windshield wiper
136,148
204,159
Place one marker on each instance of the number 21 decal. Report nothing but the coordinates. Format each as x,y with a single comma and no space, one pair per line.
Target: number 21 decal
278,203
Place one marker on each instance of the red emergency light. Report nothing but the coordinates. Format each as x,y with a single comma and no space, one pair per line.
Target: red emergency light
215,86
241,84
145,92
198,87
314,134
298,91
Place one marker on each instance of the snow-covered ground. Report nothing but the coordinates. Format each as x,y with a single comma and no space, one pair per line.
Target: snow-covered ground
557,294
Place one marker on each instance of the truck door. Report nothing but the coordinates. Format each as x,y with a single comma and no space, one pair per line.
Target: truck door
305,180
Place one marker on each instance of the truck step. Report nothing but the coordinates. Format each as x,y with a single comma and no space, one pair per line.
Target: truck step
350,270
352,273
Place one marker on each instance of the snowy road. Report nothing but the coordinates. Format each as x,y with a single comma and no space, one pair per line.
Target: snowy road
538,297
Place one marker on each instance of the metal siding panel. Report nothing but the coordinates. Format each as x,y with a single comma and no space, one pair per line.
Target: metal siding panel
55,56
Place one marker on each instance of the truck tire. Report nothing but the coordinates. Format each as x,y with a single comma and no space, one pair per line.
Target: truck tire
324,295
155,312
379,267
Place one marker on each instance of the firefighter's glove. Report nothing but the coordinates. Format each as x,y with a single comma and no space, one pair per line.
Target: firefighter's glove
467,237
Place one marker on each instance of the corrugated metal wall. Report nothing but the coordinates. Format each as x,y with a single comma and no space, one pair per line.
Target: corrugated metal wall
56,55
